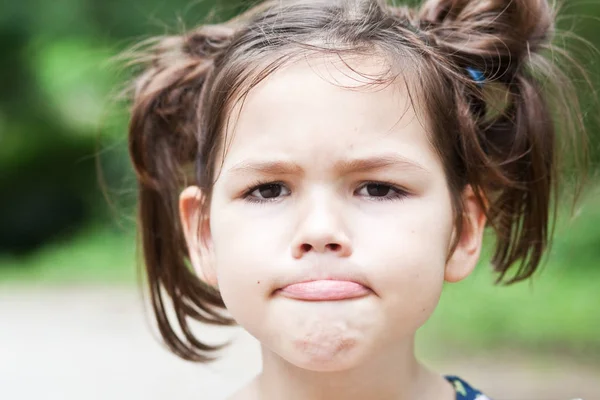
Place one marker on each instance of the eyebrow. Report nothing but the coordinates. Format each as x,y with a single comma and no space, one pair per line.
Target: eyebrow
379,162
273,167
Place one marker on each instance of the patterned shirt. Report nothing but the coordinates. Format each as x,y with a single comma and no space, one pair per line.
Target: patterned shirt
464,391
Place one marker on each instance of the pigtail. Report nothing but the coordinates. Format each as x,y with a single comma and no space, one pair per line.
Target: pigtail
508,148
163,144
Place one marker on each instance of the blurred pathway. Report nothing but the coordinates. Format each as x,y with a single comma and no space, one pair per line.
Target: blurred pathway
96,343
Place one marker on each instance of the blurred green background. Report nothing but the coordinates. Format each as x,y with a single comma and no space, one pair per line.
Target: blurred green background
61,123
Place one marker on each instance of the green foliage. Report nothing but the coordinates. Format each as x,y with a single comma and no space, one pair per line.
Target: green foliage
96,255
558,310
58,109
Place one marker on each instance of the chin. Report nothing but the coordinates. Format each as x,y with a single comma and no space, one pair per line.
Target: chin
327,355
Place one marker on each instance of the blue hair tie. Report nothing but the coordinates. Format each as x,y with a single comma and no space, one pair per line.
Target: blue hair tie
477,75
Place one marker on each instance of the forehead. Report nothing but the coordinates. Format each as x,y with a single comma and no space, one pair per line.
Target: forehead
325,106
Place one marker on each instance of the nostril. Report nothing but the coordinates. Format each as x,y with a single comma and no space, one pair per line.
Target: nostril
334,246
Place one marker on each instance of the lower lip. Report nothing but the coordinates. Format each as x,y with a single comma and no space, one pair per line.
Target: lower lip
324,290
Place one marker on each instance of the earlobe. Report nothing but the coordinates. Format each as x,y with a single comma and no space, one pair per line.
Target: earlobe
196,228
466,254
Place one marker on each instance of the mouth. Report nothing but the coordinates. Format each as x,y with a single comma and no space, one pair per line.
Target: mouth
324,290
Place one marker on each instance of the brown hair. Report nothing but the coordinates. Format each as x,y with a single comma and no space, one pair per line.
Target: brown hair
503,146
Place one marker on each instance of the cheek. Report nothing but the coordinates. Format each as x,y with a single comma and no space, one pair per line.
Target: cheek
409,251
244,251
245,244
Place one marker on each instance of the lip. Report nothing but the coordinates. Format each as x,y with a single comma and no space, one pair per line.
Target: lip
324,290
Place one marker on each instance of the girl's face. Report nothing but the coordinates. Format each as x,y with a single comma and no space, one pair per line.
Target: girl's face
322,182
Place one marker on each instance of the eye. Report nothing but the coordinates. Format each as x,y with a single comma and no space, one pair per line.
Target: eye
381,191
266,192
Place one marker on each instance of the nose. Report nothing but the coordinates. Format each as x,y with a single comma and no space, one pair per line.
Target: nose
321,229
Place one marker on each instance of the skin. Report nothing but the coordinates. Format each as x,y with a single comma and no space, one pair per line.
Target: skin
385,221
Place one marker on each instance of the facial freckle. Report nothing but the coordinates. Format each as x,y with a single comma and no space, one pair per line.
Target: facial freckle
258,282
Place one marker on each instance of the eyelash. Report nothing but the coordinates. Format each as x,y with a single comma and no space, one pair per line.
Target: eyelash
397,193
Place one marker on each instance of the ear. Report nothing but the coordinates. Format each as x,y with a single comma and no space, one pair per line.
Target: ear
196,228
466,254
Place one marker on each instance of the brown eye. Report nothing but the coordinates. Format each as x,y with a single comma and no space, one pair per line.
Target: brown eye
269,191
381,191
377,190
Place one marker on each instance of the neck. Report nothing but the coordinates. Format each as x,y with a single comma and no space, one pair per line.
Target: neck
391,375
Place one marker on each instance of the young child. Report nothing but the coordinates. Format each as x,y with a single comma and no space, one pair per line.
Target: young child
320,168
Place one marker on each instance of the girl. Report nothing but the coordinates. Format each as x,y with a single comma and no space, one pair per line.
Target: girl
319,169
